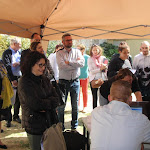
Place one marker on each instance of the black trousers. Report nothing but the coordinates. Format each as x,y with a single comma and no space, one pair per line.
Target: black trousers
16,109
94,95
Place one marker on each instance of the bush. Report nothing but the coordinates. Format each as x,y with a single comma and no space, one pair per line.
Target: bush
109,49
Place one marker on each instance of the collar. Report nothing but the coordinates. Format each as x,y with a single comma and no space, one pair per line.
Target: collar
119,103
67,51
12,50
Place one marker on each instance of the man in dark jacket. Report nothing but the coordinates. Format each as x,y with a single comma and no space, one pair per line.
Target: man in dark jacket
11,60
35,37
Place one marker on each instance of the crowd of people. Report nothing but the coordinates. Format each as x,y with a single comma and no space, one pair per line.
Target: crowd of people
29,75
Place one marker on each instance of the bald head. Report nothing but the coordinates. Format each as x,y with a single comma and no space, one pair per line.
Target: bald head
145,46
121,91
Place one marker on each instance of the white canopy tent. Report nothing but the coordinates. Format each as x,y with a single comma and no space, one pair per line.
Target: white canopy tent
84,19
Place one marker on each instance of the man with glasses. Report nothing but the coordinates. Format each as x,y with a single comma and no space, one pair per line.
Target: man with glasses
69,62
11,60
142,65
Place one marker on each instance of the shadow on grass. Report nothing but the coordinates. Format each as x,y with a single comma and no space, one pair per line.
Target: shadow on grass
67,112
15,143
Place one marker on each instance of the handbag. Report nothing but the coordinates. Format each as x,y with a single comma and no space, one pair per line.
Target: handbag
53,138
60,89
74,140
96,84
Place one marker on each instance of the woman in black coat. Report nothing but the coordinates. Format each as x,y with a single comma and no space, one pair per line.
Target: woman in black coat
37,96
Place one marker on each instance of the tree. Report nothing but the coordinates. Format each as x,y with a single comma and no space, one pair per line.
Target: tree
25,43
4,43
109,49
51,46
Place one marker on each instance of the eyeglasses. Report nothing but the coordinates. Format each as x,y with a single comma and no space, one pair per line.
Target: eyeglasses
68,40
37,40
41,65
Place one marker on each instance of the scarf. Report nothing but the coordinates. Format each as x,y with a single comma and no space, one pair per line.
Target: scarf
97,60
7,90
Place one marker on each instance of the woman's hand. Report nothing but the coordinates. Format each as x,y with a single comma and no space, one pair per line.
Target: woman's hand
103,66
99,82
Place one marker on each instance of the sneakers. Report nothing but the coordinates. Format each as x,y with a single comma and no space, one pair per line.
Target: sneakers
17,120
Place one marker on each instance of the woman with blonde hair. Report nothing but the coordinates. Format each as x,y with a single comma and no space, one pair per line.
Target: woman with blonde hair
97,64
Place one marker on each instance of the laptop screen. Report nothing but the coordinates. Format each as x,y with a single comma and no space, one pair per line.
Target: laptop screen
138,109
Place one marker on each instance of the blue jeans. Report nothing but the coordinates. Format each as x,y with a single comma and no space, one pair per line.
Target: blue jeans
73,87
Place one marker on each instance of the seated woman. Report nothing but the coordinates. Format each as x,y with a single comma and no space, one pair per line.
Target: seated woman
37,96
123,74
120,62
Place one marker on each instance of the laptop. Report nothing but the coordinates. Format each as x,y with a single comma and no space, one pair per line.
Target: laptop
141,107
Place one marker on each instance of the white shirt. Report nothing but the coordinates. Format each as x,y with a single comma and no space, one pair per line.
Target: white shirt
142,65
71,71
126,64
141,61
53,62
94,71
116,127
16,56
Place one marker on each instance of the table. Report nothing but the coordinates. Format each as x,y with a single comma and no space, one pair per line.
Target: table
86,129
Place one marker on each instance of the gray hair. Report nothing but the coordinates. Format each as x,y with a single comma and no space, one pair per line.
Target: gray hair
15,40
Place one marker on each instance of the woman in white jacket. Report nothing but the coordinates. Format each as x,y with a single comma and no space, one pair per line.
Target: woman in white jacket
97,69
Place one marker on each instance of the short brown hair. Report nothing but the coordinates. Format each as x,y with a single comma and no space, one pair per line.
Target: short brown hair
120,90
63,37
100,49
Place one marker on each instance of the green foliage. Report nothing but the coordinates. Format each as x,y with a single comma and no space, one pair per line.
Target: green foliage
4,43
51,46
109,49
25,43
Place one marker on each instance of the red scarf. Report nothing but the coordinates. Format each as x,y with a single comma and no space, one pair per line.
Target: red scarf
97,60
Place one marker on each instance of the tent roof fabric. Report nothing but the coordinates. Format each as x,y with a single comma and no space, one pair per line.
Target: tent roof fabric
93,19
